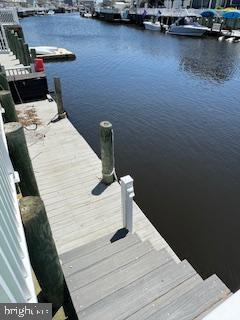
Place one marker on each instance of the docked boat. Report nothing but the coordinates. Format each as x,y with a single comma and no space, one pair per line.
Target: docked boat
50,12
87,15
185,26
153,26
40,13
44,49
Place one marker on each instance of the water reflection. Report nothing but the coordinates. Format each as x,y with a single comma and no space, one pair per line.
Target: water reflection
174,104
204,63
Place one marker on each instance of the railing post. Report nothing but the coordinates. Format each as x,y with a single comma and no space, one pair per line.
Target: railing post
127,194
58,97
107,154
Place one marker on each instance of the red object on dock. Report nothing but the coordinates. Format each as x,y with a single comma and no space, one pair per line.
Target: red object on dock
38,65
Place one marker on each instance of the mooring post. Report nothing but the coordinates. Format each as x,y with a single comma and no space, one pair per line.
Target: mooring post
42,250
107,152
14,43
21,161
22,54
9,39
58,97
33,56
4,85
27,54
7,103
127,194
18,50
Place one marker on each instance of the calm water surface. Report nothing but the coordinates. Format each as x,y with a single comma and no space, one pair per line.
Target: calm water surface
174,104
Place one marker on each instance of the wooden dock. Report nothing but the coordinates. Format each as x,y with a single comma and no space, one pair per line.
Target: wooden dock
109,276
60,54
68,172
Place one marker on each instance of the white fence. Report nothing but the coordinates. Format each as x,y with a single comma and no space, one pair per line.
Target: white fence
8,16
16,284
18,71
4,48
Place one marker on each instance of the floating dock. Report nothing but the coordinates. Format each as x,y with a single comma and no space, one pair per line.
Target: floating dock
60,54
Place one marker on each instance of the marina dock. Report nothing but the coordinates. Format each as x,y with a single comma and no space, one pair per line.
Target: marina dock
109,276
111,271
68,173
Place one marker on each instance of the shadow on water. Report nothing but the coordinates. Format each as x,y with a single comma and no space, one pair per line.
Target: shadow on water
174,105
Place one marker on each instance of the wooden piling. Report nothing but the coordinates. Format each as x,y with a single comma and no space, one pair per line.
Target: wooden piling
17,46
42,250
107,155
58,97
7,103
14,44
21,161
4,85
33,54
27,54
21,51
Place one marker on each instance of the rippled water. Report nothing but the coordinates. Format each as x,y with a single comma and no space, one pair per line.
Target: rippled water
174,104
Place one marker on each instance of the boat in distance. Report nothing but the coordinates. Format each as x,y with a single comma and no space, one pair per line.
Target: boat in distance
153,26
185,26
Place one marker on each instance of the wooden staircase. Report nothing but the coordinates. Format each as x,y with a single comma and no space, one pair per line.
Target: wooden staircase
129,279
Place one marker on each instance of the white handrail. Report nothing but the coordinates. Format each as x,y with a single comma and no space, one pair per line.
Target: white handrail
4,48
18,70
9,16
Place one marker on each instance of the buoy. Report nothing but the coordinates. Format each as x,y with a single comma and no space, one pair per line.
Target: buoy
38,65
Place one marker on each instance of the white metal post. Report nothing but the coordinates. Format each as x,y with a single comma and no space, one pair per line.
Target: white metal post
127,194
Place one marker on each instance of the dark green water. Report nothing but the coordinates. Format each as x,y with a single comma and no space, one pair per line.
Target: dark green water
174,104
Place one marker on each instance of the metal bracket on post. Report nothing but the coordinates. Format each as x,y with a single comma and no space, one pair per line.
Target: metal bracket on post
16,177
127,194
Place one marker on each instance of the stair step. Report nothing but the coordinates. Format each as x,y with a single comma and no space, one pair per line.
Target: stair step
87,248
124,302
81,262
102,268
101,288
194,302
167,298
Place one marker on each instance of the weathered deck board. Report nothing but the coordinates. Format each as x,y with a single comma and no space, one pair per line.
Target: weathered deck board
98,255
101,269
68,173
122,277
124,302
166,299
194,302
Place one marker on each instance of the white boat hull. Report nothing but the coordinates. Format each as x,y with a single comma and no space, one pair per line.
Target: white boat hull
87,15
187,31
152,26
45,49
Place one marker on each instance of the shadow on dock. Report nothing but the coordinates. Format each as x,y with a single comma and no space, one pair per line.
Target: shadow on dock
99,189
